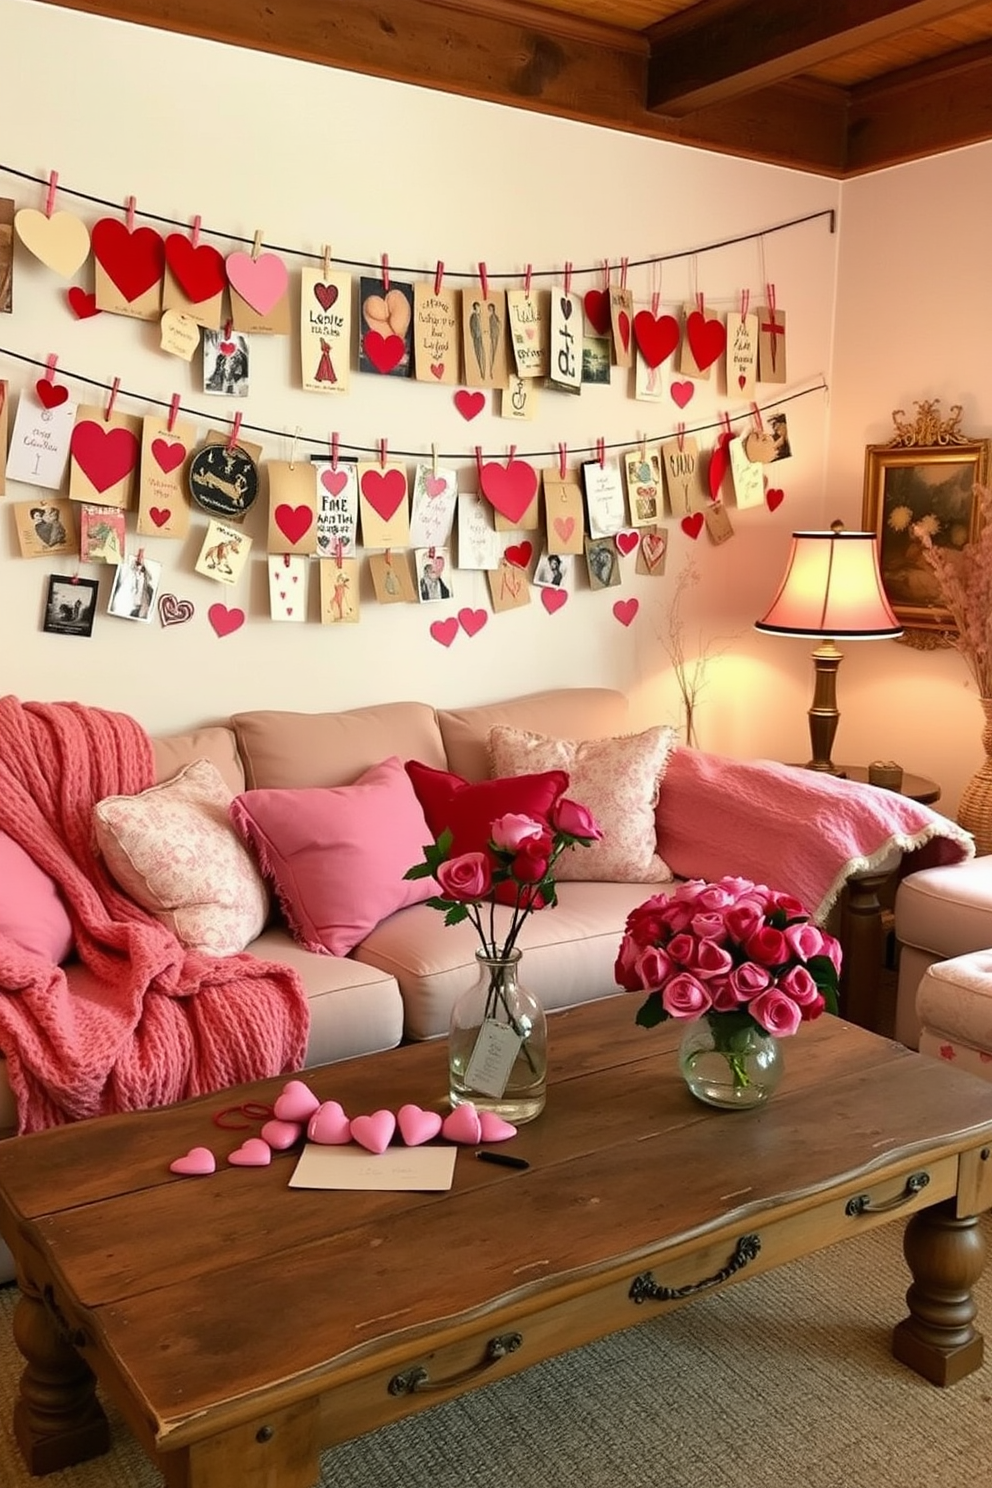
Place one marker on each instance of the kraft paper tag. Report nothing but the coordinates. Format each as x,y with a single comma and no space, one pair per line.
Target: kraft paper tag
45,528
687,492
622,325
163,503
292,507
383,504
602,562
652,552
325,330
509,587
485,338
104,457
436,334
563,511
645,496
519,399
179,335
392,578
771,344
339,591
202,312
527,317
272,320
718,523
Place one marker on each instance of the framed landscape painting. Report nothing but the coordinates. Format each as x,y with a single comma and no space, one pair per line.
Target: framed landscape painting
913,488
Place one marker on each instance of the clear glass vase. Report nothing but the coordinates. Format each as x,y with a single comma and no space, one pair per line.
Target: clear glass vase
728,1061
498,1043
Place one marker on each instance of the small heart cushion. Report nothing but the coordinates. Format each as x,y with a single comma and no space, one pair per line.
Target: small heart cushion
374,1132
280,1135
463,1125
417,1126
295,1102
329,1126
494,1128
251,1154
198,1160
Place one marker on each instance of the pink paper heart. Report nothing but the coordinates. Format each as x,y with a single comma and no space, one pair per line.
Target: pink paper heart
564,526
469,404
444,631
553,599
627,542
224,621
374,1132
463,1125
198,1160
625,610
254,1153
682,392
472,621
168,454
295,1102
261,281
494,1128
417,1126
329,1126
293,521
280,1135
334,481
435,485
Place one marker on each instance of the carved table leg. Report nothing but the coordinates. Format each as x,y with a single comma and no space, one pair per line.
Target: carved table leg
861,938
946,1256
58,1420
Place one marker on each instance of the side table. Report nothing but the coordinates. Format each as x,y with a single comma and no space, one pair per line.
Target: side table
916,787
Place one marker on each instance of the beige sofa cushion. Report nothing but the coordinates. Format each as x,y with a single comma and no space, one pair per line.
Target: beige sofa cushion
215,743
290,751
563,713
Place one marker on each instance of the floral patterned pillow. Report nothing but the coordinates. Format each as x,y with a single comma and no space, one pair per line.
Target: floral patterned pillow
174,849
617,779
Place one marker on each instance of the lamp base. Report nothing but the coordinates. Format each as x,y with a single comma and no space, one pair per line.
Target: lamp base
826,768
823,714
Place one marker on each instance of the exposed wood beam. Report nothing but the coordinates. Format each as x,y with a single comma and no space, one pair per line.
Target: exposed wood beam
922,110
720,49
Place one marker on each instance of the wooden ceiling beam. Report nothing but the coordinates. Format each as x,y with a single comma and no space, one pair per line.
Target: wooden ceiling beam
718,50
921,111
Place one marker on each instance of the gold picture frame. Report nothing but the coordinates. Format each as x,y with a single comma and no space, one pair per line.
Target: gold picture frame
907,484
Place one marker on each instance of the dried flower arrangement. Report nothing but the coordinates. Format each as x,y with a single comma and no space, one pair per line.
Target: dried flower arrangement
964,578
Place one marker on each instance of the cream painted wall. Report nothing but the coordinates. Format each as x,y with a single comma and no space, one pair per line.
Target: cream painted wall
914,321
308,155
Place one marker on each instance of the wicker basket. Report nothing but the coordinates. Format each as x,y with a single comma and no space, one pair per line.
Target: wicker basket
975,806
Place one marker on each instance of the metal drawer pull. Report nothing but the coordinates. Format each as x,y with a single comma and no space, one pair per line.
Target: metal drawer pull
862,1203
644,1286
416,1381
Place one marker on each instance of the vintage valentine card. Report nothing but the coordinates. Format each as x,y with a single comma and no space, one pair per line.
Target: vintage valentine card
336,488
325,330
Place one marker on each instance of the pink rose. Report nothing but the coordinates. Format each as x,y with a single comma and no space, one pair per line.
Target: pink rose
767,946
685,997
805,940
748,980
712,898
725,999
531,861
709,926
788,904
832,950
653,968
712,959
510,832
799,985
575,821
682,949
776,1012
676,916
625,969
645,924
743,888
743,919
466,877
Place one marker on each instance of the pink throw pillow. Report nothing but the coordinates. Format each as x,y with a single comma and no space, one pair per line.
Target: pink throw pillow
32,911
337,855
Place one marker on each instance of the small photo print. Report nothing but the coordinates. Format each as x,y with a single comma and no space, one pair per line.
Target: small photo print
596,359
601,560
554,571
45,528
433,574
135,587
71,605
225,363
101,534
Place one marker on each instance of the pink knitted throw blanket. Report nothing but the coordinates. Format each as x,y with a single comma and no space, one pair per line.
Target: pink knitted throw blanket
145,1021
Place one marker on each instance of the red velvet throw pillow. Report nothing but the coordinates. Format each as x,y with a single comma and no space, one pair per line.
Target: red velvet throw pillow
470,808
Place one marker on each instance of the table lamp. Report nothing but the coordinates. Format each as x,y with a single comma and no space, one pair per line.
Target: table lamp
832,588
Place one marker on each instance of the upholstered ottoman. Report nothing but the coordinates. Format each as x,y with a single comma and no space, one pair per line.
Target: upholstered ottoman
954,1005
940,914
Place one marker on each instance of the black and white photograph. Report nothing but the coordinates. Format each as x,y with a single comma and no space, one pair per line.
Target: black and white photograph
225,363
553,571
433,574
71,605
135,587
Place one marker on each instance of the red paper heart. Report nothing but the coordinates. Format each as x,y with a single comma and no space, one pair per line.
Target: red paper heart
384,352
774,498
334,481
105,456
707,338
159,515
693,526
384,490
597,307
224,621
626,609
293,521
469,404
226,348
553,599
472,621
50,394
444,631
656,335
719,464
437,370
623,324
627,542
510,488
326,295
82,304
520,554
682,392
173,611
168,454
199,271
133,261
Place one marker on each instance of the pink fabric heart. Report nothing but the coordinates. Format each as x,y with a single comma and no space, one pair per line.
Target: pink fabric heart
280,1135
295,1102
329,1126
198,1160
251,1154
463,1125
374,1132
494,1128
417,1126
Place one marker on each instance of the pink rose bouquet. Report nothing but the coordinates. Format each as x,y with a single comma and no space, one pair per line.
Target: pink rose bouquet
739,954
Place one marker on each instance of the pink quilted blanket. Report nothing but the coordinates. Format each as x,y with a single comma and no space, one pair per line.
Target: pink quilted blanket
147,1022
792,828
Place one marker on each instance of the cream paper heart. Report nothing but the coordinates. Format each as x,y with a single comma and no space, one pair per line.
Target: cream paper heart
60,241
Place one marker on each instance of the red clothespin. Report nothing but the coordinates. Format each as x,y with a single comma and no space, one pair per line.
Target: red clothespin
568,276
194,236
50,364
227,329
528,275
382,454
129,208
756,415
510,456
745,302
173,411
656,303
385,273
601,452
484,281
334,450
562,453
111,400
700,303
438,276
53,182
232,438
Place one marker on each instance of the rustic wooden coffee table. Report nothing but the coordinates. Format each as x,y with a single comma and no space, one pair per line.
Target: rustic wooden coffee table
241,1325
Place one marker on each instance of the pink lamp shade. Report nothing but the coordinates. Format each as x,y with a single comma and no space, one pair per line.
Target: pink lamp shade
832,587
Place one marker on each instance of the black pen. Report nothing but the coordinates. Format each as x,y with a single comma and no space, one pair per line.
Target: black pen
503,1159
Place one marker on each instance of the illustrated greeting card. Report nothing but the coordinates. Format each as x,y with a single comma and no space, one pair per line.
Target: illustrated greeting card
224,553
622,324
339,603
325,330
519,399
564,515
129,263
259,284
392,578
104,454
435,492
605,507
771,344
527,319
742,354
769,442
479,545
101,534
163,501
485,350
39,441
747,475
683,468
565,333
45,528
554,571
645,499
288,574
385,343
383,505
292,507
436,334
652,551
336,489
